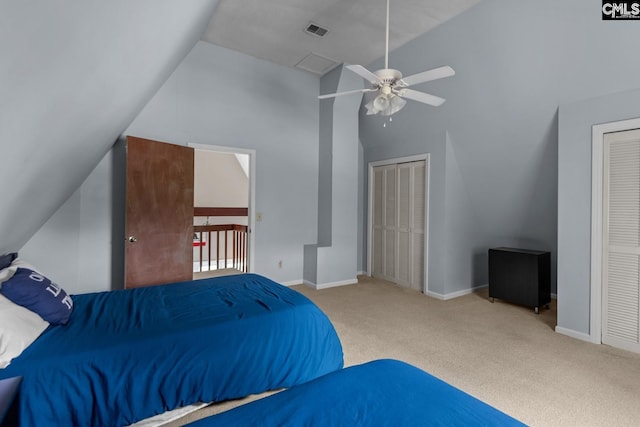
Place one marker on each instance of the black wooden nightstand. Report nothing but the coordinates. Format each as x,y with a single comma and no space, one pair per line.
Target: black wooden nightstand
520,276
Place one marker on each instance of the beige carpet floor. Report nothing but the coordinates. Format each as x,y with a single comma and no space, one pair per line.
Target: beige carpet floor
504,354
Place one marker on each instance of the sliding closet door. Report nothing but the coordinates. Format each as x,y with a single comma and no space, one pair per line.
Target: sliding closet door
621,240
399,223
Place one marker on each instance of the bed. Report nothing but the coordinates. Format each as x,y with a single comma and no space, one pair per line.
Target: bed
379,393
131,354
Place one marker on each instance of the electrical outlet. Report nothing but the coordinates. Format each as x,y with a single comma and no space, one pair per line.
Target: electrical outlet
280,264
259,216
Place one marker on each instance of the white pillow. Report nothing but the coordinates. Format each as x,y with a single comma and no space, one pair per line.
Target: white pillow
19,327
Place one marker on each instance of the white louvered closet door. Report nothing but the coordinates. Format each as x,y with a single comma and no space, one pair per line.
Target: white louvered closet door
411,219
384,222
399,223
621,241
377,264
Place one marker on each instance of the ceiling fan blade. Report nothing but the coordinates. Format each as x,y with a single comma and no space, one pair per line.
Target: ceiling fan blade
364,73
349,92
425,98
426,76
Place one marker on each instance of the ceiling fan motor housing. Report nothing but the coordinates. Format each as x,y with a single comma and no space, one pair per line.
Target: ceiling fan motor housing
388,76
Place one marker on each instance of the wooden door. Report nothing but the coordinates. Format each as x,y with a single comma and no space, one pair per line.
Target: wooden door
159,213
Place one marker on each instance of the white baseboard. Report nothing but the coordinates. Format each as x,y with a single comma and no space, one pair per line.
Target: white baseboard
309,284
575,334
292,282
457,294
465,292
331,284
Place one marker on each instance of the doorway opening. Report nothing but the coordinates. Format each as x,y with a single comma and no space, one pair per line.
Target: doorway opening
398,221
223,220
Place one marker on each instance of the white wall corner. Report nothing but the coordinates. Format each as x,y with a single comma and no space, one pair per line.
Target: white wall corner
319,286
445,297
575,334
292,282
309,284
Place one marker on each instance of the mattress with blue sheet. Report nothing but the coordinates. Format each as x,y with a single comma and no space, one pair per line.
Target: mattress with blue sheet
377,394
131,354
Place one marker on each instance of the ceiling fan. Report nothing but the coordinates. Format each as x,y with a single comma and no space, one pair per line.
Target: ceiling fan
392,87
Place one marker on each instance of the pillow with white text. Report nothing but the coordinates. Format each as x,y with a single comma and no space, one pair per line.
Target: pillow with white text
39,294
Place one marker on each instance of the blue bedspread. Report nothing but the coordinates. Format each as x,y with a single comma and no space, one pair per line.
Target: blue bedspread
379,393
128,355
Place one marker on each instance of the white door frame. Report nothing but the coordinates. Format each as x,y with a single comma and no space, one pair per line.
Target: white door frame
597,179
252,193
418,157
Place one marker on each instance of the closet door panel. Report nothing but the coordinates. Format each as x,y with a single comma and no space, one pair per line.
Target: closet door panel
398,230
378,223
621,241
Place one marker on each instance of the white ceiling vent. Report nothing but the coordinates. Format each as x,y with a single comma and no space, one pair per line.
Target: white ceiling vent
316,64
316,30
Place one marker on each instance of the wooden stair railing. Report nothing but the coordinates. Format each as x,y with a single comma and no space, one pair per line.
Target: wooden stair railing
205,238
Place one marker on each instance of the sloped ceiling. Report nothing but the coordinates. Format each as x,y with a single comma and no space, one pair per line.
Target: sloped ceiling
274,30
73,75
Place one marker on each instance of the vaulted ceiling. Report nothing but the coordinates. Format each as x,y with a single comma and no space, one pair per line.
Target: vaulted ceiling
76,74
73,76
275,30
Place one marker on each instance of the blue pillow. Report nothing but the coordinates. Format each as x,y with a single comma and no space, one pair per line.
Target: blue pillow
32,290
6,260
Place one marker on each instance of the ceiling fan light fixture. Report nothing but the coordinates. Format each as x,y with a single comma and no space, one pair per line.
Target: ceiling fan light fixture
385,104
397,104
376,105
390,85
381,102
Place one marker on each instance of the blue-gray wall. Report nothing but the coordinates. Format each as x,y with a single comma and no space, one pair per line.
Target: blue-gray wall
216,97
224,98
494,143
574,202
334,259
74,246
73,75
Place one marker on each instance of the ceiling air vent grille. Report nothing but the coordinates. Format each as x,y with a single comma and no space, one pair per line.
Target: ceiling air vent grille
316,30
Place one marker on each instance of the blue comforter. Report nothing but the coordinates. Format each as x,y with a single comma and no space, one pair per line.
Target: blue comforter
376,394
128,355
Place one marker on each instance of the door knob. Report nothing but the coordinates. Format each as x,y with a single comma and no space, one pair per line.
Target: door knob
133,239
